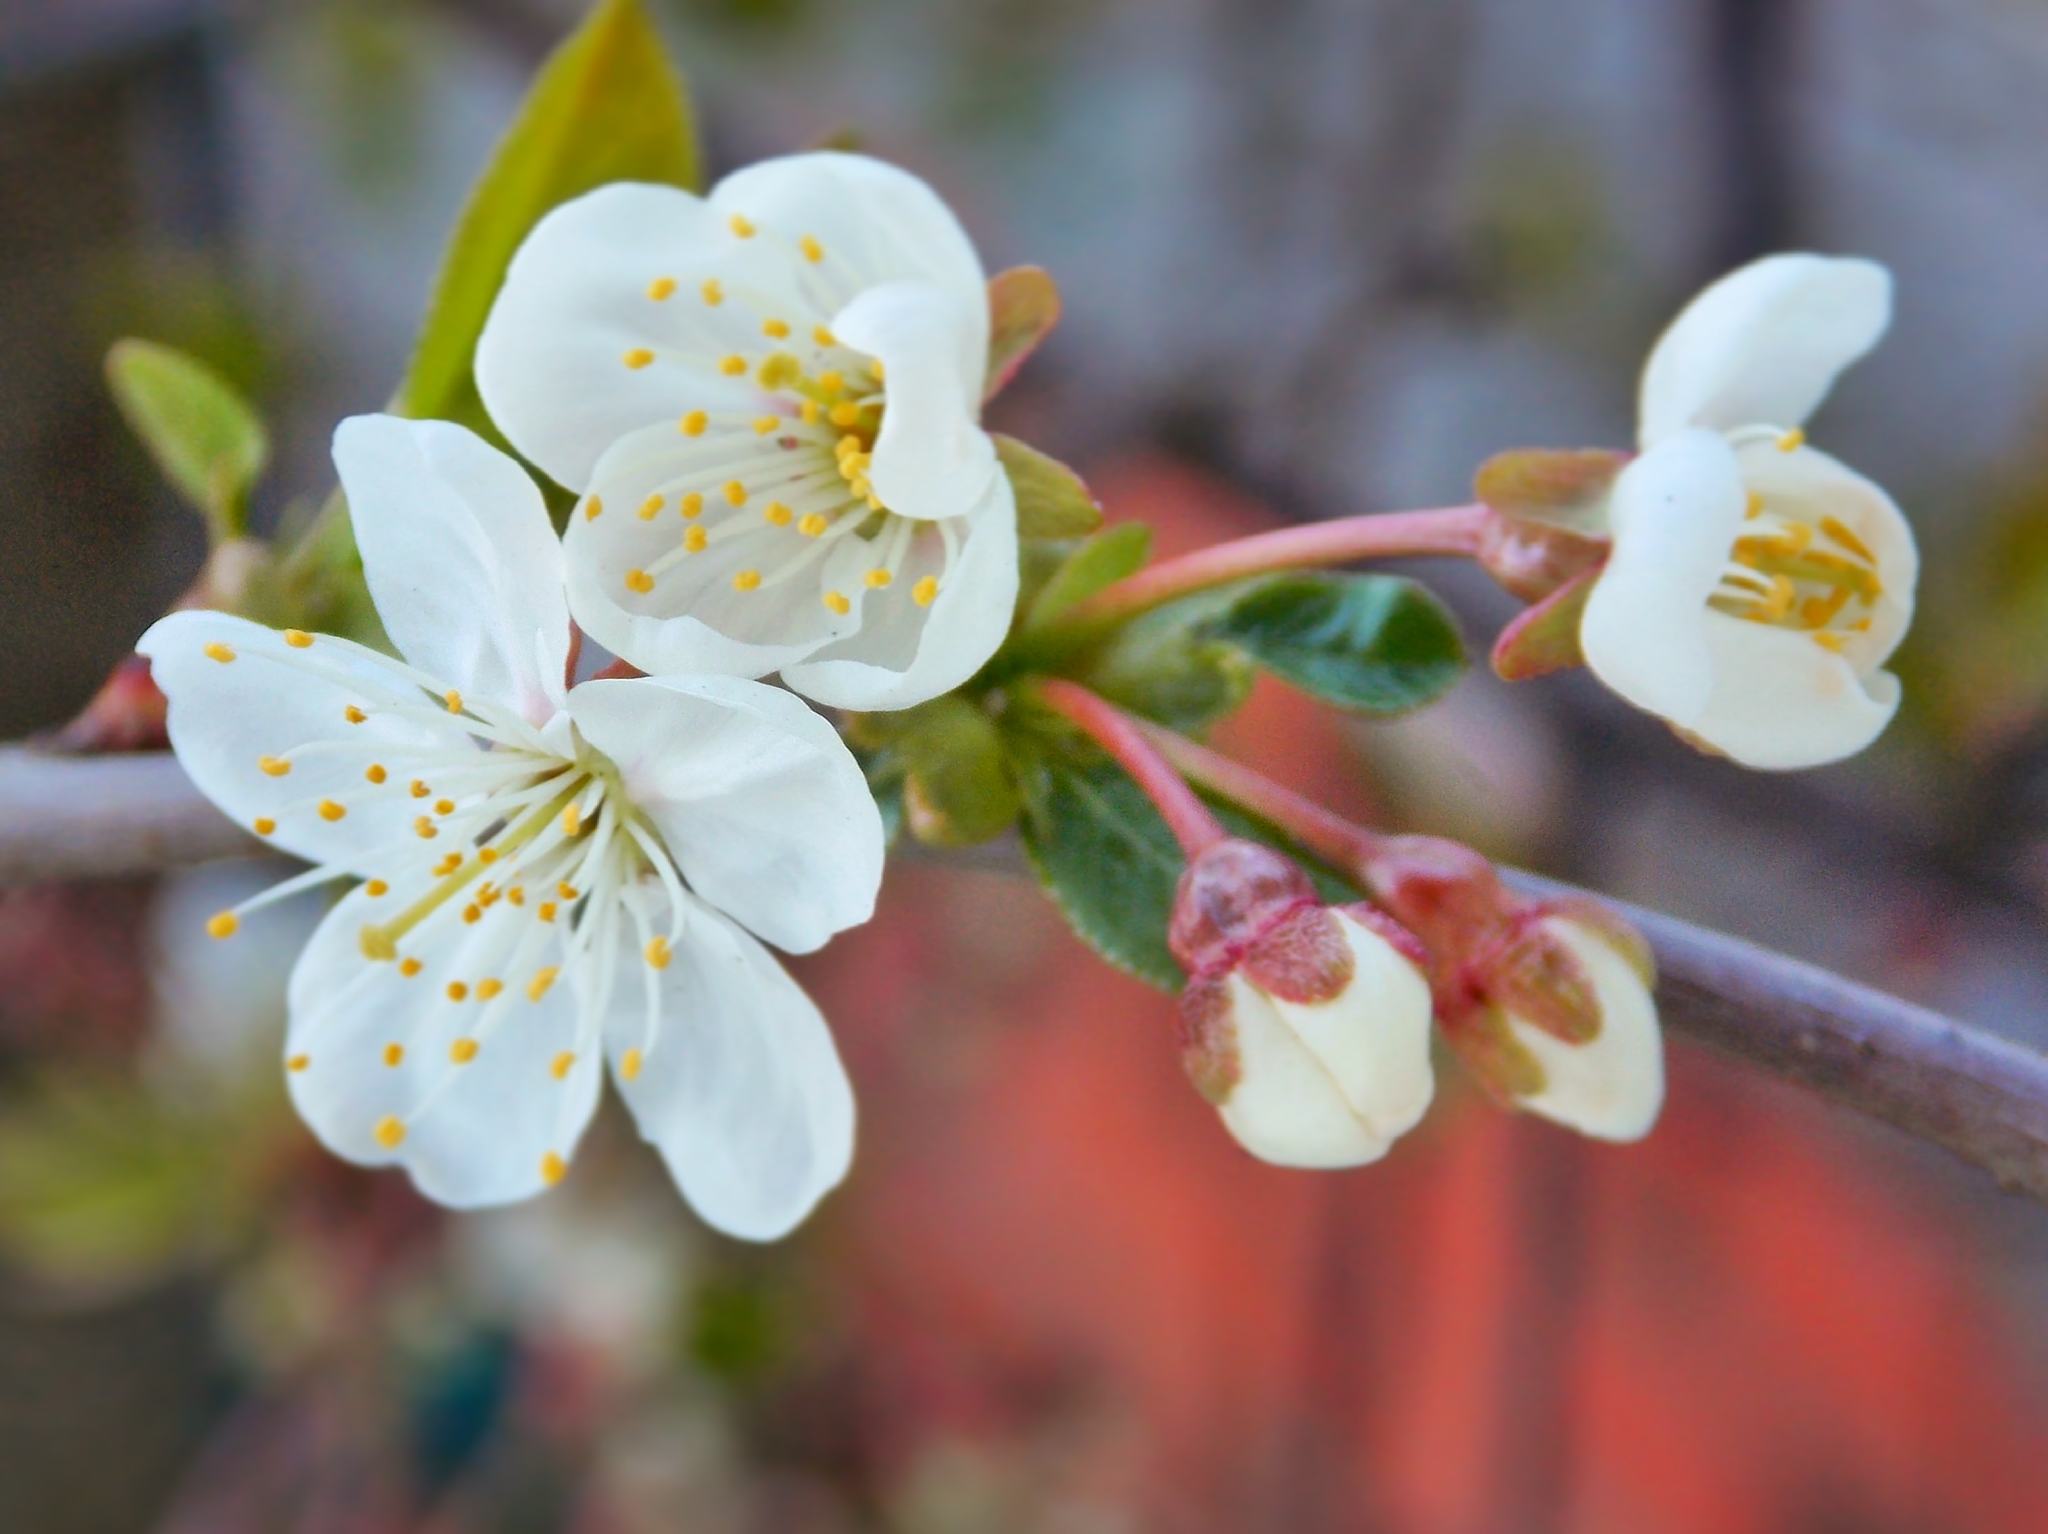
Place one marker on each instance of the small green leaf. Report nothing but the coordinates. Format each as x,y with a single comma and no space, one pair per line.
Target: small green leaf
203,435
606,107
1052,501
1023,306
1375,643
1161,666
956,787
1109,556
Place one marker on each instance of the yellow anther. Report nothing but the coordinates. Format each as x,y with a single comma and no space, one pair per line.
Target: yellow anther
845,413
651,508
330,810
409,967
878,578
657,953
746,580
298,639
733,365
553,1169
1792,441
220,652
444,806
375,772
537,987
457,991
837,601
572,820
453,699
637,358
425,829
486,990
377,944
1754,507
447,865
562,1064
1797,536
765,424
487,855
1831,639
462,1051
742,226
775,330
394,1055
712,292
298,1062
353,714
593,508
694,424
222,924
545,910
813,525
822,334
691,505
1840,532
831,380
516,894
390,1132
566,890
488,895
735,493
273,766
419,788
472,914
376,889
263,825
813,251
661,288
811,411
926,591
775,514
630,1064
694,539
848,444
640,581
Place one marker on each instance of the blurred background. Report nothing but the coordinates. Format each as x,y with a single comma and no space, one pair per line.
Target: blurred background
1318,256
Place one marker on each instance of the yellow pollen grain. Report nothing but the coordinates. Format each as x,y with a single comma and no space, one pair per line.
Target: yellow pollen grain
813,251
444,806
637,358
553,1169
353,714
537,987
640,581
1792,441
630,1064
409,967
457,991
775,330
651,508
926,591
453,699
487,855
813,525
375,772
735,493
746,580
329,810
390,1132
775,514
566,890
712,292
742,226
765,424
1831,639
661,288
516,894
273,766
657,953
845,413
838,603
572,820
691,505
218,651
298,639
425,829
733,365
472,914
694,424
811,411
419,789
878,578
394,1055
593,508
298,1062
562,1064
222,924
462,1051
831,381
486,990
263,825
545,910
822,334
694,539
376,889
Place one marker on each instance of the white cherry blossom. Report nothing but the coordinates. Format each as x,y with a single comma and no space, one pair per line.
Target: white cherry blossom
553,879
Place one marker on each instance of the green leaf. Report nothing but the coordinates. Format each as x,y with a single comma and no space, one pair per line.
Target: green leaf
606,107
1162,666
205,438
1052,501
1023,306
1375,643
957,790
1109,556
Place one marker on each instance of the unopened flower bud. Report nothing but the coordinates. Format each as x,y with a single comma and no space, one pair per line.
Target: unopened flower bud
1306,1025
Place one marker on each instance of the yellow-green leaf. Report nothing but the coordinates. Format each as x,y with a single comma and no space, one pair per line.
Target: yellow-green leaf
203,435
1052,500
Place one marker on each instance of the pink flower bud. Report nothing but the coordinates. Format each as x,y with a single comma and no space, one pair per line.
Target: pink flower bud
1306,1025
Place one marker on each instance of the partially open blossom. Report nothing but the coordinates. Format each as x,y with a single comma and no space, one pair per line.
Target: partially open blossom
1307,1025
768,400
1756,587
551,878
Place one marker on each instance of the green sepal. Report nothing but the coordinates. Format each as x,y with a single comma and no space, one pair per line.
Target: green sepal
956,786
1100,561
1023,307
204,437
1545,637
1052,500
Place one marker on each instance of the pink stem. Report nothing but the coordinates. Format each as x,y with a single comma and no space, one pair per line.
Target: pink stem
1193,826
1448,530
1337,841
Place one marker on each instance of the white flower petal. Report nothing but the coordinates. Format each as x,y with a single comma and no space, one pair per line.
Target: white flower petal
1782,702
475,1134
1333,1083
1764,344
931,458
740,1087
1613,1087
693,620
1675,512
764,809
274,700
460,558
905,654
553,363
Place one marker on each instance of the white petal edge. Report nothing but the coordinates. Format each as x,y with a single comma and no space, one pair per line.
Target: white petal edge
765,810
1764,344
1675,512
1613,1087
460,558
743,1094
1781,703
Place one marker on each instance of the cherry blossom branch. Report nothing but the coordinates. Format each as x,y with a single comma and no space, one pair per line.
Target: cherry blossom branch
1448,530
100,817
1980,1098
1191,821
